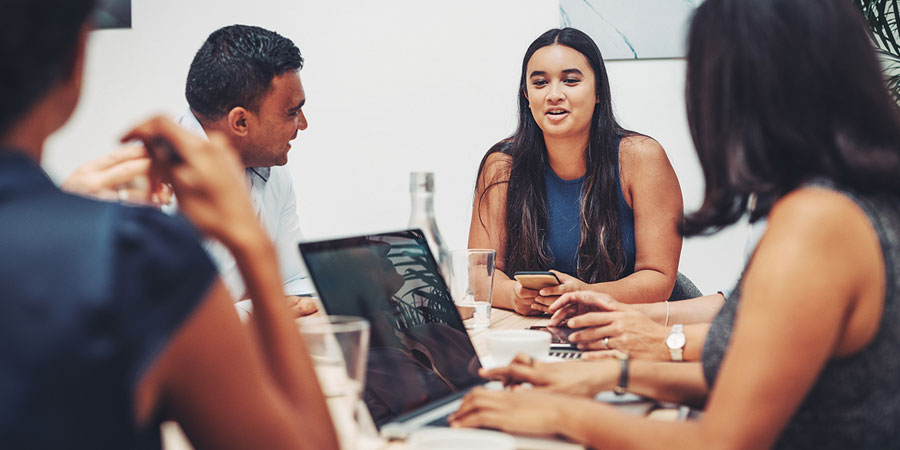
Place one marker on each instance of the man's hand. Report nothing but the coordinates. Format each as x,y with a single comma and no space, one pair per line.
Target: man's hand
302,306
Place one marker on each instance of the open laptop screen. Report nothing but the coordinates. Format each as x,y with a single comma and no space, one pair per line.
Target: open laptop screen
419,350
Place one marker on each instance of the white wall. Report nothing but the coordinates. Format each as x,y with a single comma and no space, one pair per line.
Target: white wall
392,86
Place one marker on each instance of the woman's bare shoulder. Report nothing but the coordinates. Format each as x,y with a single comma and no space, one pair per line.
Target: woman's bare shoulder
638,149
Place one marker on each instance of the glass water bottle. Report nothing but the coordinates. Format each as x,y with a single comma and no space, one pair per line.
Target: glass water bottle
421,192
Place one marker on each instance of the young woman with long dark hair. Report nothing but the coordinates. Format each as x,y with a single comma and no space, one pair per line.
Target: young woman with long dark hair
786,102
571,190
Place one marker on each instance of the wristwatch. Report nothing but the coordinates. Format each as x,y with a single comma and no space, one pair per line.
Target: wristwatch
675,341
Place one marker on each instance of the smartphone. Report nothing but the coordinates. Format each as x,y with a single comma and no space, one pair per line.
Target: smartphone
560,335
163,151
536,280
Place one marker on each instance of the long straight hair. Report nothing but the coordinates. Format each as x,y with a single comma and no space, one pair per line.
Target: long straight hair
780,92
600,253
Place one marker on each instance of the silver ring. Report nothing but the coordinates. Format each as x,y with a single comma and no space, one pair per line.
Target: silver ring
606,343
531,361
122,193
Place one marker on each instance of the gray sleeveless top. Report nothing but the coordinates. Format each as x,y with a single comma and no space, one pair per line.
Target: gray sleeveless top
855,402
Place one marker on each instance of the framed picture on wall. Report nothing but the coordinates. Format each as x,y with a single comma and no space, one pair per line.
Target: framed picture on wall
632,29
113,14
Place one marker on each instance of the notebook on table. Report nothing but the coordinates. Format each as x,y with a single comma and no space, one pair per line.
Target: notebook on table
421,361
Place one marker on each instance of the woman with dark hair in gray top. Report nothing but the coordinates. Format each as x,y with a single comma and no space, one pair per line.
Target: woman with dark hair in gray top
786,103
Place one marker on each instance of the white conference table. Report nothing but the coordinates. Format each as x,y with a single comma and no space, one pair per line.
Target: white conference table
173,438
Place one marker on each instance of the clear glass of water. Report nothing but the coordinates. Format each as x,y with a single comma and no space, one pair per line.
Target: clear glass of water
472,285
339,347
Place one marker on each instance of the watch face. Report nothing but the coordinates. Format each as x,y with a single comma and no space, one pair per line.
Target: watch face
675,340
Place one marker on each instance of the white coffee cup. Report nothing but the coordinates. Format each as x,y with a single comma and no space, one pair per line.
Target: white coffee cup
504,345
454,439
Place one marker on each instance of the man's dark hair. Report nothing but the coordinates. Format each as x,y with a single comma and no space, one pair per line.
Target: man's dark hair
38,45
235,67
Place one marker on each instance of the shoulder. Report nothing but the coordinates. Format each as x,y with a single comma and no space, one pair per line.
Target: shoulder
280,177
824,228
638,151
643,164
495,166
818,212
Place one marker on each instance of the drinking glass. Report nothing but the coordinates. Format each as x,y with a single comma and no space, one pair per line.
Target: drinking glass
339,346
472,281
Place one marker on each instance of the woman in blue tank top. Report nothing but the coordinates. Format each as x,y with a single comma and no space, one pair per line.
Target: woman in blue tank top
574,192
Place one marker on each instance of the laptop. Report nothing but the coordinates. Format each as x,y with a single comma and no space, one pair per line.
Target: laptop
421,361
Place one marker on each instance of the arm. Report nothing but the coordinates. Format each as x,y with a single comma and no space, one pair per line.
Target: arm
694,310
212,358
609,327
488,230
820,254
666,381
651,188
296,280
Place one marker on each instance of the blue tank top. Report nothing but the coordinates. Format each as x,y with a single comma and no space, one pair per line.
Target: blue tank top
564,221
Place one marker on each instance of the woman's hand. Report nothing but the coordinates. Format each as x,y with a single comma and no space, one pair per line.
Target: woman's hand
609,326
123,175
209,182
521,412
548,295
580,378
524,300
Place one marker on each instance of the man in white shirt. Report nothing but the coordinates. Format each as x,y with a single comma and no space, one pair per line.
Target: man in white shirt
244,83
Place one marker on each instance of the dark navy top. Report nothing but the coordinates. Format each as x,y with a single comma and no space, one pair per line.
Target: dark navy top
90,293
564,221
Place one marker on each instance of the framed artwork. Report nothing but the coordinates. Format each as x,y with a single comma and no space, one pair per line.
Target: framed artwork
632,29
113,14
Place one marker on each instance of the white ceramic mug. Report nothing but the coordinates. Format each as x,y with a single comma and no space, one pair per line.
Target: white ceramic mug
504,345
453,439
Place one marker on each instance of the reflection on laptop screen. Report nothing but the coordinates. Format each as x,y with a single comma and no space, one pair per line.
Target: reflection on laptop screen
419,349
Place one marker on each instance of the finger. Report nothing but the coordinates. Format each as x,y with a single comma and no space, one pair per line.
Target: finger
476,399
592,319
124,153
555,291
561,315
600,354
523,292
544,300
124,172
539,307
563,277
186,144
572,299
497,420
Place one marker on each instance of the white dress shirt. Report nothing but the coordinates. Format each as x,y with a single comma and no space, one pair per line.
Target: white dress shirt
272,194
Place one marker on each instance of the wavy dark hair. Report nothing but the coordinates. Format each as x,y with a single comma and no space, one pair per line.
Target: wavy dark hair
600,253
780,92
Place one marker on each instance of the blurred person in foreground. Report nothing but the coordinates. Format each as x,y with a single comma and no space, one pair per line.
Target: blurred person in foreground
113,317
804,352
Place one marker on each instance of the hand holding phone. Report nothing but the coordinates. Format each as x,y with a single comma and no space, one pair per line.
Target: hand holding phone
536,280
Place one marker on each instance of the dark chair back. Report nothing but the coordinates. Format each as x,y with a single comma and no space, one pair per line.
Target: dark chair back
684,289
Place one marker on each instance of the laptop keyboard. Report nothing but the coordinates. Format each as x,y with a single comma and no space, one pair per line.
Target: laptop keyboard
566,354
439,422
